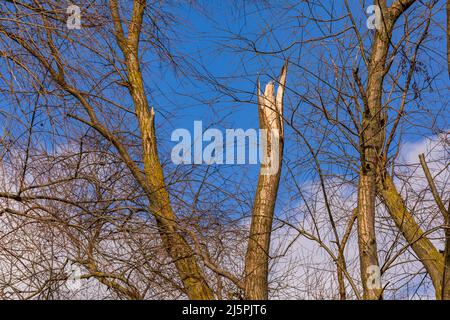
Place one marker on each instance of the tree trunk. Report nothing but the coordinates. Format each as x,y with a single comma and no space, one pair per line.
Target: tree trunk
371,142
366,237
372,138
446,276
257,257
446,215
191,275
414,235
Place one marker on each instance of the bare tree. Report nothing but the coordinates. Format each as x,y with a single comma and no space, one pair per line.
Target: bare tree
86,180
270,108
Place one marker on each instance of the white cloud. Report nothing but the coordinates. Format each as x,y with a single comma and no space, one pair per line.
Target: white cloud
307,271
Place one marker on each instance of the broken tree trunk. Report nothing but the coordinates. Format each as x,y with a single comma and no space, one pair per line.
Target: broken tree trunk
270,110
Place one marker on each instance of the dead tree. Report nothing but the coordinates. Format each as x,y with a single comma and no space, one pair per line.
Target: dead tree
270,108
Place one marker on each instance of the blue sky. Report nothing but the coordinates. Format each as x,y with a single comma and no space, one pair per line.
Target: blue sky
215,80
208,44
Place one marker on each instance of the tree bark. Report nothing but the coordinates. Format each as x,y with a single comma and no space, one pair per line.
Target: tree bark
270,110
446,215
372,138
414,235
446,276
371,144
193,279
366,237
